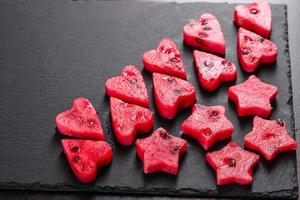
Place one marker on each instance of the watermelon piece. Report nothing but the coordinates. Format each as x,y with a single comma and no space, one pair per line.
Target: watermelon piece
255,17
207,125
160,152
128,119
86,156
213,70
233,164
165,59
129,87
269,138
205,34
172,94
253,97
80,121
254,50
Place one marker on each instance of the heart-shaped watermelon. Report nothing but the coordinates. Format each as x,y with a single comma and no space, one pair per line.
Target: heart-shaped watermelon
172,94
129,87
161,151
213,70
165,59
206,34
129,119
255,17
80,121
254,50
86,156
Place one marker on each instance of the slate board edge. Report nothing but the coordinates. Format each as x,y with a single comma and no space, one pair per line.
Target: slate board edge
142,191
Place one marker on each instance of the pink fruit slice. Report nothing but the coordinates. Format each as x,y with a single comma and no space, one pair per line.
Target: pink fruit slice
207,125
254,50
129,119
213,70
255,17
269,138
253,97
233,164
166,59
129,87
161,152
172,94
80,121
86,156
205,34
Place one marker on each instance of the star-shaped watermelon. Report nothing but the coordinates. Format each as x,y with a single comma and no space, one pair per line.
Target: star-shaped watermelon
206,34
86,156
161,152
233,164
207,125
172,94
253,97
129,87
269,138
80,121
255,17
254,50
212,70
165,59
129,119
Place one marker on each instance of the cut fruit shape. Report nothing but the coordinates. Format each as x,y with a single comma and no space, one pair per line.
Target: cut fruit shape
253,97
129,87
172,94
165,59
207,125
255,17
129,119
86,156
254,50
213,70
80,121
205,34
160,152
269,138
233,164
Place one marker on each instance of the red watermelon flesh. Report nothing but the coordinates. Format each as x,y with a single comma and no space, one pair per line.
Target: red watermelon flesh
166,59
233,164
255,17
253,97
205,34
172,94
269,138
129,87
86,156
128,119
254,50
207,125
160,152
213,70
80,121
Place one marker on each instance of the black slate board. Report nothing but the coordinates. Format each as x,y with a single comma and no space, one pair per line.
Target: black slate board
55,51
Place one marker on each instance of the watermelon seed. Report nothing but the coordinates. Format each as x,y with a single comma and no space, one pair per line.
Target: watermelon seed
174,60
208,64
254,11
261,40
75,149
268,135
170,79
207,132
232,162
213,113
177,91
175,150
164,135
207,28
280,122
203,22
245,51
76,159
225,62
91,123
133,81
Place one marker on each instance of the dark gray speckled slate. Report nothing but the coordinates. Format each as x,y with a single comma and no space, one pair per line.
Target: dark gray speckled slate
55,51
